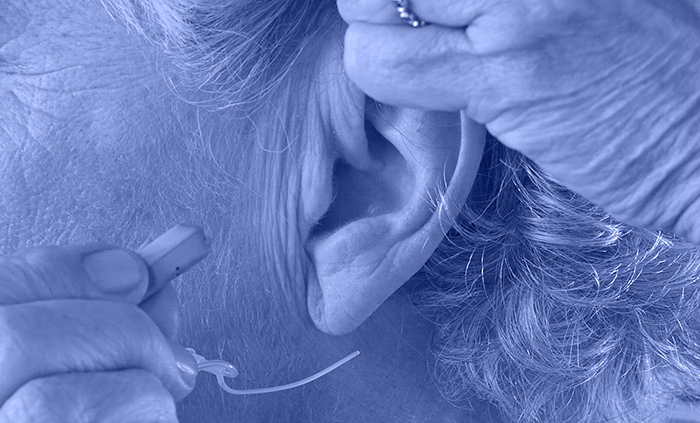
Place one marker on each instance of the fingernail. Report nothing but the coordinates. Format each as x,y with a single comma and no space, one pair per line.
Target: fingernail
186,364
115,271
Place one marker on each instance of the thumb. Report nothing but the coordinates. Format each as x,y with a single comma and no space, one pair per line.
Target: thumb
92,271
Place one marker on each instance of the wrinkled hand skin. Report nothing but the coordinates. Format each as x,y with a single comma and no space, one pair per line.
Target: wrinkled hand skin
75,350
603,95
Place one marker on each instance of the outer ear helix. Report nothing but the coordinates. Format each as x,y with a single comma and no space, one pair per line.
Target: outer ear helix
367,257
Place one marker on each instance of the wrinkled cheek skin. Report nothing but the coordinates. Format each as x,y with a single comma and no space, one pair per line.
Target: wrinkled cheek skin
80,111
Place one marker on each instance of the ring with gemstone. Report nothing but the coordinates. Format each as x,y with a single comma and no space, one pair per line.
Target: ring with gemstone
407,15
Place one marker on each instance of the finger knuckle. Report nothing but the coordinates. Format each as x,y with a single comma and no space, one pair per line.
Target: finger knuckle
38,400
44,263
129,395
142,322
138,325
12,344
18,274
150,400
127,327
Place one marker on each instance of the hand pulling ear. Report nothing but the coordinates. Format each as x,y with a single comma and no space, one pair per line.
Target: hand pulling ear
389,213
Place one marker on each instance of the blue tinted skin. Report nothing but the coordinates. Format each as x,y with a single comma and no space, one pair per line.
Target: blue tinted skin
92,146
603,96
96,146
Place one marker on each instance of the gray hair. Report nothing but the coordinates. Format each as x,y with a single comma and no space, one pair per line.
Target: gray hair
543,303
236,52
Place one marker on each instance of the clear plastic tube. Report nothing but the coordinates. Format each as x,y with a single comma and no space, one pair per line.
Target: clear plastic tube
222,369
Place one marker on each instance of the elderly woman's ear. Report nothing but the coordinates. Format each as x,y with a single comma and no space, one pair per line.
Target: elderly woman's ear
382,204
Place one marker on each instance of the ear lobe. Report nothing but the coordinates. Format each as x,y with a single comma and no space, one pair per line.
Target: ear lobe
387,218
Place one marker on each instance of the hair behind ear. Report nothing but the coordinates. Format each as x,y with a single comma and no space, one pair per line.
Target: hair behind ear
540,297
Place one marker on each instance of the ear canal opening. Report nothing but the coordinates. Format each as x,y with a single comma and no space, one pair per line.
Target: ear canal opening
359,194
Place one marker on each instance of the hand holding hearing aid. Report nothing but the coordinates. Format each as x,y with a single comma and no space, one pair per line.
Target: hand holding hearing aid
604,96
93,326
